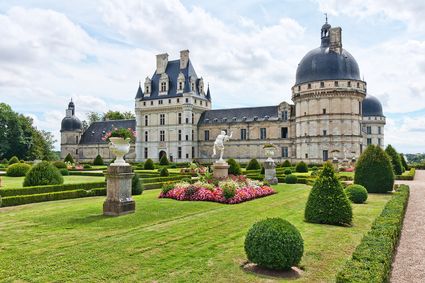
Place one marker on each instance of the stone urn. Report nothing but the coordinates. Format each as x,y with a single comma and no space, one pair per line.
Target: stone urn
269,152
119,147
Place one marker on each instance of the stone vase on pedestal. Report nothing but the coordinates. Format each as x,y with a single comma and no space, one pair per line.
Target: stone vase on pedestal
220,169
118,186
270,172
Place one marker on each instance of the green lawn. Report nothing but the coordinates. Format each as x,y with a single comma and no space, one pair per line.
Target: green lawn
165,240
16,182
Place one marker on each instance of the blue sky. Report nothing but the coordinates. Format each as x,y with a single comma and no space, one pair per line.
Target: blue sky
97,51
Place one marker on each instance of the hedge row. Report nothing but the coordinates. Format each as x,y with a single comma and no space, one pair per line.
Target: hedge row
409,176
82,173
163,179
371,261
48,189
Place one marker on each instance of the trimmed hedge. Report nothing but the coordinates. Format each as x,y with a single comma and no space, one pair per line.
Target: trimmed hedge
17,170
286,163
371,260
291,179
49,189
149,165
301,167
25,199
43,173
409,176
82,173
59,164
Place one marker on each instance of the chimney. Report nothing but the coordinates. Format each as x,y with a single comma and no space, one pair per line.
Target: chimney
184,58
335,44
161,63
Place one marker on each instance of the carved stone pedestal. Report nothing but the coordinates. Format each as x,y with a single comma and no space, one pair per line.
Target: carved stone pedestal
270,172
118,199
220,169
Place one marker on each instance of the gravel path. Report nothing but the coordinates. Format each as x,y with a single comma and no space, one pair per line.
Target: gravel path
409,262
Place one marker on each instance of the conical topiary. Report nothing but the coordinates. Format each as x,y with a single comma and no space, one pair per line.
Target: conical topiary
403,161
395,160
164,160
253,165
234,167
98,160
374,170
327,202
69,158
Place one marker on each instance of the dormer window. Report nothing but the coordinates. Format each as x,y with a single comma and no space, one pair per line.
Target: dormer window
147,90
163,86
148,86
193,86
180,83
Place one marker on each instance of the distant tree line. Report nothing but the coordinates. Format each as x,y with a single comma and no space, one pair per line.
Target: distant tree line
110,115
415,158
19,137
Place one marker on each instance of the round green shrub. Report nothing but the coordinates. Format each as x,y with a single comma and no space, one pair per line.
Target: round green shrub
327,202
43,173
253,165
98,161
235,168
374,170
356,193
286,163
274,243
64,171
69,158
164,172
59,164
136,185
164,160
13,160
301,167
287,171
395,160
149,165
17,170
291,179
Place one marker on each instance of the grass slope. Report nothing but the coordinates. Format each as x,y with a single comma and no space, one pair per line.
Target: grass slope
165,240
16,182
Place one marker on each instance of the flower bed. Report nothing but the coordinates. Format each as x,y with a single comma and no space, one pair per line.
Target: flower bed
235,189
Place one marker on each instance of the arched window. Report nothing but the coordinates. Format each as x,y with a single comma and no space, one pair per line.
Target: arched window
180,85
163,86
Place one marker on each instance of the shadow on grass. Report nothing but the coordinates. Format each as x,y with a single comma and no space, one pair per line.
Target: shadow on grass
90,219
292,274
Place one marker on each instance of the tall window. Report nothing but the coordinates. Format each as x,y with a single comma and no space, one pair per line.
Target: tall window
180,135
193,135
379,130
146,136
187,120
369,141
146,120
309,86
379,142
193,152
349,84
162,136
163,86
160,102
187,137
335,84
146,152
243,134
285,151
285,115
322,84
147,89
325,133
324,110
180,118
162,119
179,152
76,139
263,133
180,85
369,130
284,132
193,118
207,135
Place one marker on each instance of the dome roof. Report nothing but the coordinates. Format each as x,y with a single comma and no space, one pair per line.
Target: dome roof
323,63
371,106
71,124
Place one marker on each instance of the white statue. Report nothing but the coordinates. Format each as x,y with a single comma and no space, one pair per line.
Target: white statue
219,144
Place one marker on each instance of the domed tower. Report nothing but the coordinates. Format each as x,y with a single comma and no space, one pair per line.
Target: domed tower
71,131
373,121
328,95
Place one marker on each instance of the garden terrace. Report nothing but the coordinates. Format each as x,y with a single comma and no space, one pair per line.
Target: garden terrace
166,240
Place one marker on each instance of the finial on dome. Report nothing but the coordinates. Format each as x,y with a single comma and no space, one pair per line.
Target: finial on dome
326,18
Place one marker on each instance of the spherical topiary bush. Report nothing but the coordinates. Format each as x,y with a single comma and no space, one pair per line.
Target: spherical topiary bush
164,160
287,171
274,243
356,193
13,160
64,171
59,164
98,161
235,168
253,165
395,160
286,163
374,170
43,173
149,165
291,179
17,170
327,202
163,172
136,185
301,167
68,158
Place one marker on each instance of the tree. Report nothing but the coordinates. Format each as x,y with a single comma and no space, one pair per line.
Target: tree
327,202
403,161
374,170
164,160
117,115
395,160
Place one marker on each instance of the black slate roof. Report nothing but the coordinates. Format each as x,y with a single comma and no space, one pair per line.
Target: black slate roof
371,107
173,70
236,115
97,130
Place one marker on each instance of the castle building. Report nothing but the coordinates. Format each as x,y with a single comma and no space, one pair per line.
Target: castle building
331,115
